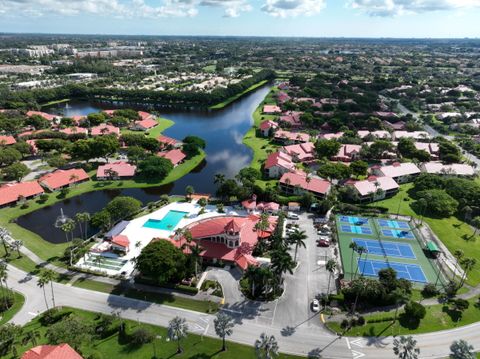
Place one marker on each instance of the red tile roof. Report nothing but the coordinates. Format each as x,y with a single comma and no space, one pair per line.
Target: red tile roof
175,156
292,136
279,159
46,116
166,141
268,124
299,179
146,115
74,130
11,192
271,109
121,241
7,140
62,351
147,123
123,169
61,178
104,130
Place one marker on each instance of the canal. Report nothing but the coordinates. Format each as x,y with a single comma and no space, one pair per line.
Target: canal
222,130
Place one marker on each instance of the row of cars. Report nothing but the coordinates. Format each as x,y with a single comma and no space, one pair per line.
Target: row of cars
324,232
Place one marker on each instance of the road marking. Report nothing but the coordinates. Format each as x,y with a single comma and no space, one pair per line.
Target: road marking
357,355
348,343
231,311
33,314
198,328
322,318
357,342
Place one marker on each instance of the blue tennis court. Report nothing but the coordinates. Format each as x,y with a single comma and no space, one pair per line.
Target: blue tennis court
356,229
396,233
388,223
357,221
391,249
411,272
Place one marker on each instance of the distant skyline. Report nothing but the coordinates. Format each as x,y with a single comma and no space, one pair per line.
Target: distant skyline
302,18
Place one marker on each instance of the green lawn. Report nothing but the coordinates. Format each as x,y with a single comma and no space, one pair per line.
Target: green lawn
24,263
194,346
14,309
163,124
451,231
229,100
159,298
52,252
439,317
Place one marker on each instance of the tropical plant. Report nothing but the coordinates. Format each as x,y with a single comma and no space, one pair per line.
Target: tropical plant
297,237
266,347
406,348
460,349
48,276
177,330
331,266
223,327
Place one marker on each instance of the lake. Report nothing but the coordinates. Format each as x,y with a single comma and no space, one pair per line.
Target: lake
223,130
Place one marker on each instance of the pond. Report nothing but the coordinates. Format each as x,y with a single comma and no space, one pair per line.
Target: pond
223,131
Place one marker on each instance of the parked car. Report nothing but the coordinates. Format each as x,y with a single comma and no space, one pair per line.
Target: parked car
320,220
323,243
315,306
293,216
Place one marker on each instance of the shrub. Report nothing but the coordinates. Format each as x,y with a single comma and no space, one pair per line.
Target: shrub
430,290
353,322
415,310
344,324
361,321
142,336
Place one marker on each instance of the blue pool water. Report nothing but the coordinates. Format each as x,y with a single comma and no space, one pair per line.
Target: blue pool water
168,222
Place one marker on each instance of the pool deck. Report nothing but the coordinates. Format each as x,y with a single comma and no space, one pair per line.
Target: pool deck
141,236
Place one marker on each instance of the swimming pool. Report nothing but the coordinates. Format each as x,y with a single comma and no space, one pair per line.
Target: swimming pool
167,223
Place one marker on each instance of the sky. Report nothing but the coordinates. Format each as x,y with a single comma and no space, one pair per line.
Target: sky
302,18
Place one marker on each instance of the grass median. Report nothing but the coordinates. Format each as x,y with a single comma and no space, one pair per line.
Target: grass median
18,301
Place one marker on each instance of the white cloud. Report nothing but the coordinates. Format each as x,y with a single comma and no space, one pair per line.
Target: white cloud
292,8
401,7
120,8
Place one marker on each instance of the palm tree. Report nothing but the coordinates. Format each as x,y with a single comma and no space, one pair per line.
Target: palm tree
360,251
49,276
399,296
331,267
177,330
195,251
83,217
298,238
460,349
219,179
458,254
405,348
266,347
263,224
41,283
17,245
68,227
223,327
282,262
4,235
251,274
468,265
3,279
354,247
189,190
31,337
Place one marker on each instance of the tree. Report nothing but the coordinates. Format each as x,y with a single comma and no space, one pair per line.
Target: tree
440,203
223,327
460,349
9,155
47,276
122,207
297,237
142,336
400,296
31,337
104,146
4,236
68,227
327,148
162,261
155,167
83,217
405,348
459,305
415,311
468,265
9,335
72,330
354,247
476,225
332,170
331,266
192,145
282,262
219,178
195,252
458,254
41,282
135,154
15,171
359,168
3,281
177,330
102,220
189,191
266,347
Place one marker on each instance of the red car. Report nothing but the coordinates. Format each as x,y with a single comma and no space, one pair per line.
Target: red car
323,243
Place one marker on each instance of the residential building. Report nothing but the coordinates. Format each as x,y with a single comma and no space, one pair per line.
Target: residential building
277,164
61,351
63,179
120,243
7,140
268,127
456,169
395,126
415,135
297,183
12,193
144,125
302,152
176,156
433,149
289,138
291,119
347,153
400,172
252,205
330,136
74,130
375,188
166,141
104,129
116,171
46,116
381,134
271,109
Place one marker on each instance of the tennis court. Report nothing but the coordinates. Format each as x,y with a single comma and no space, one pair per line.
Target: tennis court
411,272
357,221
389,223
356,229
396,233
383,248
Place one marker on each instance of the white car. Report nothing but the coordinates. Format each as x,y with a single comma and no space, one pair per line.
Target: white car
315,306
293,216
